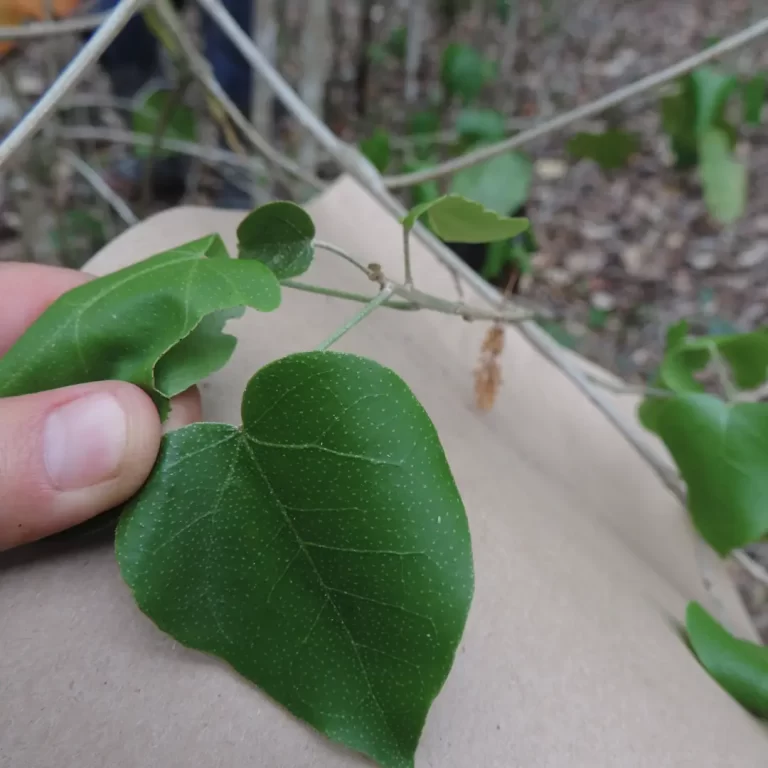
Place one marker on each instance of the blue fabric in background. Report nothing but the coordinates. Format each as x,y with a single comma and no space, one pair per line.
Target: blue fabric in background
134,56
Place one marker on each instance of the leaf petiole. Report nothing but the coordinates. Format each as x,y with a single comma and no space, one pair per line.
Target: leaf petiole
376,302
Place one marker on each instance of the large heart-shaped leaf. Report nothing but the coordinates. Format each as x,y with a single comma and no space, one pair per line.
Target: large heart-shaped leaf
721,450
128,325
724,179
501,185
458,220
738,666
322,550
280,235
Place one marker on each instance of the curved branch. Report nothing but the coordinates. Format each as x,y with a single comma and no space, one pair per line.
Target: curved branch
52,28
588,110
33,121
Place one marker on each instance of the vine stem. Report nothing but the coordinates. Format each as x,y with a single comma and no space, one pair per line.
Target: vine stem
558,122
405,306
33,121
407,256
386,291
52,28
416,299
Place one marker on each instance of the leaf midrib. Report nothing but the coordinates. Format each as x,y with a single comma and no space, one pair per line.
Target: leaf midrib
329,599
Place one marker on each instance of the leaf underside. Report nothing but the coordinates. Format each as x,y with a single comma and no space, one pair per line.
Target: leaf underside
322,550
142,320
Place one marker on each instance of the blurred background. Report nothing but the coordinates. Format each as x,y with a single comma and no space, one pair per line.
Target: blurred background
653,210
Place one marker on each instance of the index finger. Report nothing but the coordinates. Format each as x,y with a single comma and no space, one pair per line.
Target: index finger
26,291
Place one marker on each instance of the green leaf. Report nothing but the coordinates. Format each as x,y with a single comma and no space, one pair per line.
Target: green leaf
739,666
723,178
280,235
458,220
753,95
322,550
610,150
397,42
123,325
678,117
464,72
721,450
180,121
713,88
502,184
377,149
481,125
426,121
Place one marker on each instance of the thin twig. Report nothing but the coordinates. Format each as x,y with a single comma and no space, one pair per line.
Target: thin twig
376,302
623,389
588,110
52,28
407,256
752,567
163,120
68,79
420,300
201,69
100,186
212,155
405,306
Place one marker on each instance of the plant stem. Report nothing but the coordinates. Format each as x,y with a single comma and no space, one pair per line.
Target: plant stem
163,120
587,110
52,28
382,296
33,121
407,256
405,306
331,248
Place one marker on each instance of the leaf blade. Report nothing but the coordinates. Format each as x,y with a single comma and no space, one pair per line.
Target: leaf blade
456,219
280,235
332,573
740,667
120,325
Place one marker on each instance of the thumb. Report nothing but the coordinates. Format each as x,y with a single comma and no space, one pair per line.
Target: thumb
69,454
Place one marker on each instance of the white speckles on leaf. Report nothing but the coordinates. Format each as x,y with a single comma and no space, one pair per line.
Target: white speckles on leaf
323,551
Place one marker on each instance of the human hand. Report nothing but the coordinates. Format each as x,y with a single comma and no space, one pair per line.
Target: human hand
69,454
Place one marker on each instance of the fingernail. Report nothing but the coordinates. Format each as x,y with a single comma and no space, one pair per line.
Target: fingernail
84,442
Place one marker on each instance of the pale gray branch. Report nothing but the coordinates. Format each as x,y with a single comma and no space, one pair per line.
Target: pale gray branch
122,208
52,28
68,79
211,155
580,113
201,69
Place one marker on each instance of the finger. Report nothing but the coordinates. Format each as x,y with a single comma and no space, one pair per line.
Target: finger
26,290
69,454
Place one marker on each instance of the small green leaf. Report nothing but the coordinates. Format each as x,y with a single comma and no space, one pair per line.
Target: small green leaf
397,42
721,450
458,220
377,149
610,150
678,116
712,88
501,185
322,550
597,318
739,666
464,72
280,235
426,121
723,178
180,121
122,326
481,125
753,95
